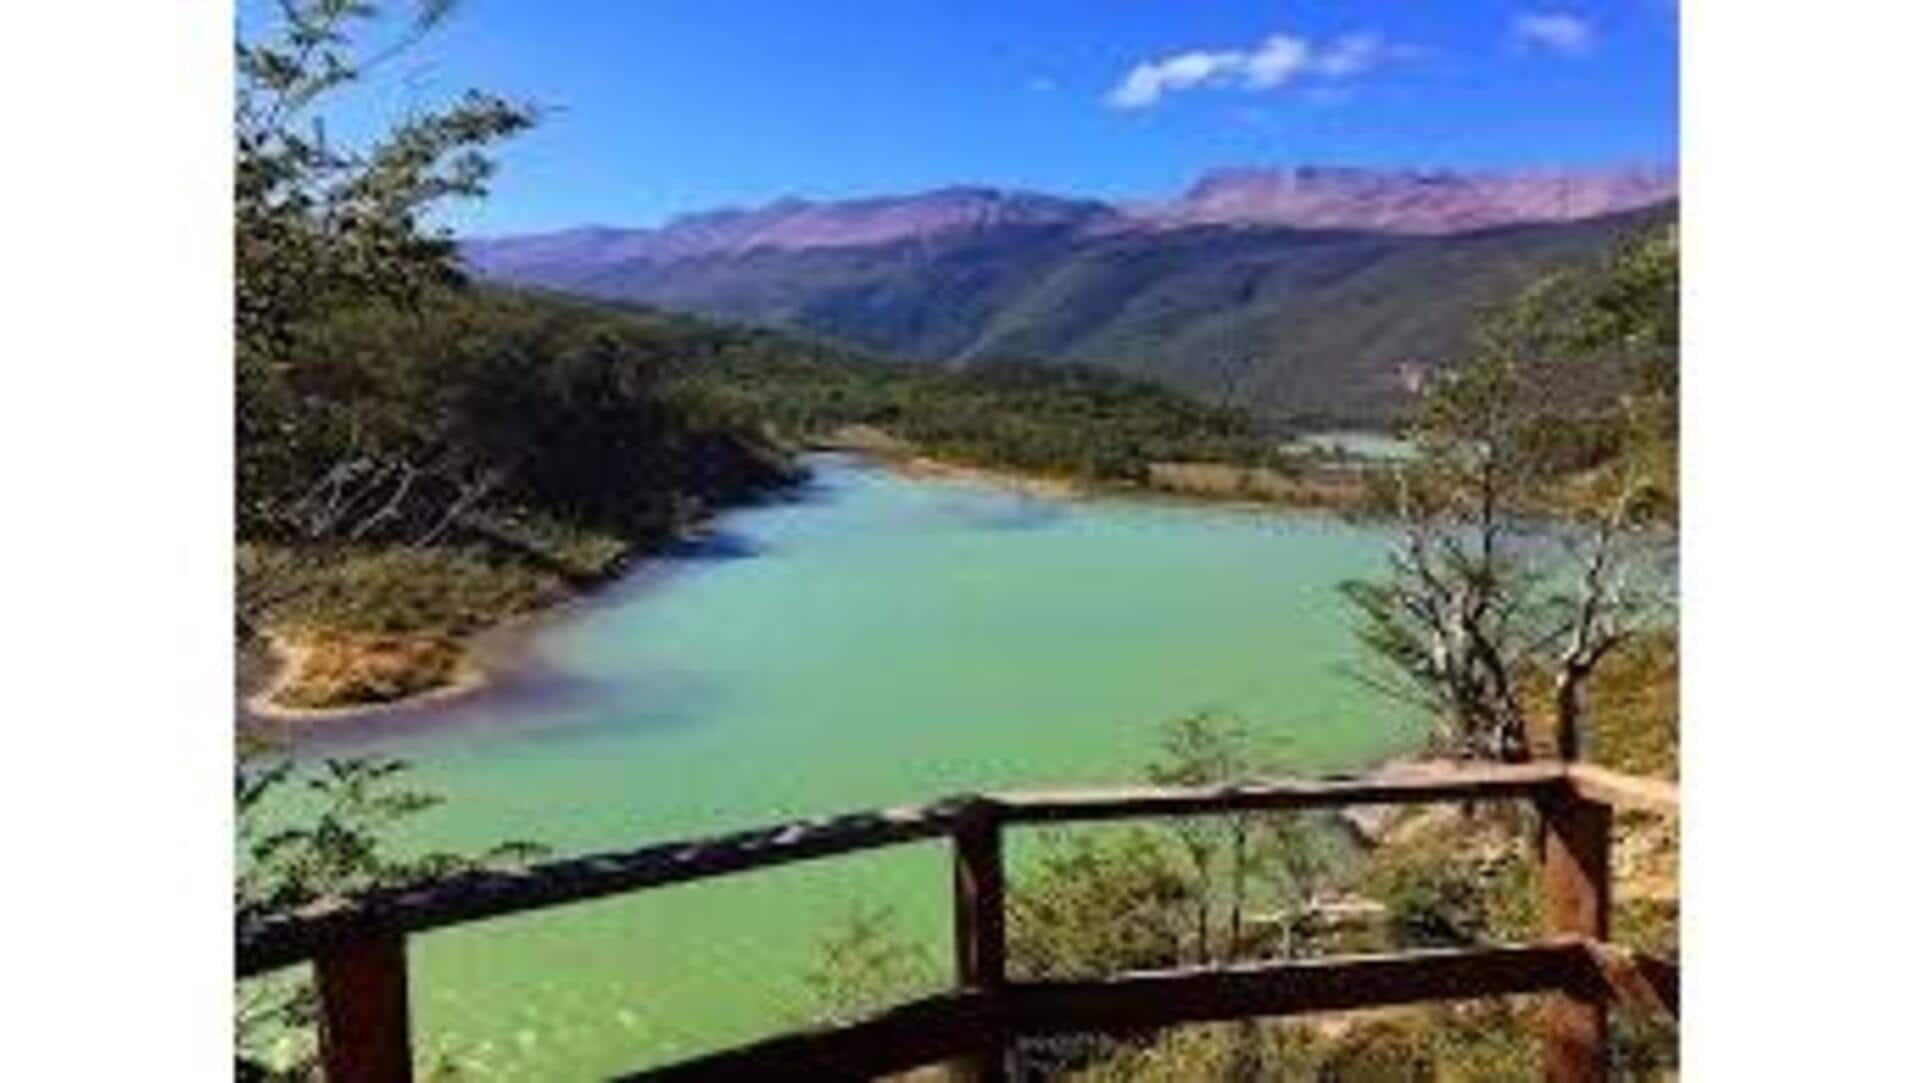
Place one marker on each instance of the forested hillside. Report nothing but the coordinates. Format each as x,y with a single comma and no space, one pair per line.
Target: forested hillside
1073,420
418,473
1287,322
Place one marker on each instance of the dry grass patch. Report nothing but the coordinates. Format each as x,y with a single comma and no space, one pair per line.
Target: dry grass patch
330,668
1226,481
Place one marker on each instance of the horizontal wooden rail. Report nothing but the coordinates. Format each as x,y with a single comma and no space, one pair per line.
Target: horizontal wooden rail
938,1027
1461,784
1645,984
1141,1001
919,1032
1624,791
287,939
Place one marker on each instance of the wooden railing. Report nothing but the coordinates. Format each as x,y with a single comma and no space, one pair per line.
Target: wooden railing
358,947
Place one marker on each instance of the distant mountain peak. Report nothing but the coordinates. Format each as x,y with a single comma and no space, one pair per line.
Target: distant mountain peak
1306,289
1405,200
1306,196
792,223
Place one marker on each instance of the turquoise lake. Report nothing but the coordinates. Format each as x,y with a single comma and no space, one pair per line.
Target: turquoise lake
871,640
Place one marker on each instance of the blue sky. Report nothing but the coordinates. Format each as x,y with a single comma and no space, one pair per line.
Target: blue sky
660,108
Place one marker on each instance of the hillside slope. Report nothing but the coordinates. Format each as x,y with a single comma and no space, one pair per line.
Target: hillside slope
1293,293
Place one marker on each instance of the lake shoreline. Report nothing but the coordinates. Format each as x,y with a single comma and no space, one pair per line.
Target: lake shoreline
1212,485
487,654
482,656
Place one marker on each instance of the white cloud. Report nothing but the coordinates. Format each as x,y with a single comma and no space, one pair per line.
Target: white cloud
1556,31
1274,62
1148,81
1278,59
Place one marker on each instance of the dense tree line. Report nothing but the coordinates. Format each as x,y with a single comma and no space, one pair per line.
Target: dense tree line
1012,413
557,410
521,407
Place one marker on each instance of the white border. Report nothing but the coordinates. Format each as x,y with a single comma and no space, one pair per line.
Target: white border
115,442
1802,732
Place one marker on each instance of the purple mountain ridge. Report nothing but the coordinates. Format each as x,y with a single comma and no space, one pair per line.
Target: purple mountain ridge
1405,201
1302,197
789,225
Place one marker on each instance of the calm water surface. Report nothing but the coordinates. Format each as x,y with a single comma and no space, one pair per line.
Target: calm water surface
874,640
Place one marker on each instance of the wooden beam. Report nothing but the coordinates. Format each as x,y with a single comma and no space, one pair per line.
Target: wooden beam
281,941
913,1034
941,1027
980,934
1640,981
1624,791
363,1012
1575,882
1131,1002
1463,783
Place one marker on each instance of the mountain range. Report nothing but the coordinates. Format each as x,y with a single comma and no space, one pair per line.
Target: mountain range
1300,291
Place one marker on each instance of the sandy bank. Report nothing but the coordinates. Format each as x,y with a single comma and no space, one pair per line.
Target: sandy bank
322,675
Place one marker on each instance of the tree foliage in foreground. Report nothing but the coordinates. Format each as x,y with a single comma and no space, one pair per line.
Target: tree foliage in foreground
322,227
319,225
1188,892
309,837
1541,495
381,402
1097,902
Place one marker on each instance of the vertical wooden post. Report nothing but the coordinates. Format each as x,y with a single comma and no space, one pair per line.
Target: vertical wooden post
980,932
1576,883
363,1011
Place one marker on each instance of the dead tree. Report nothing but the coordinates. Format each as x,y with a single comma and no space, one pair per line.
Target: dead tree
1475,610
